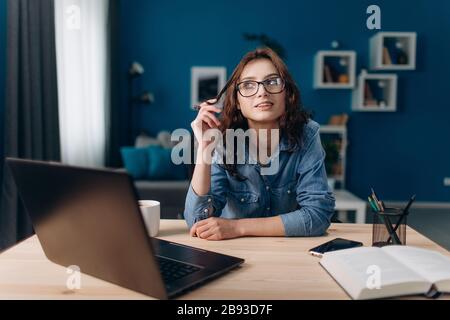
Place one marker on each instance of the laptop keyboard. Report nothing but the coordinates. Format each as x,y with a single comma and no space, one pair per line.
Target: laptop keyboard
172,270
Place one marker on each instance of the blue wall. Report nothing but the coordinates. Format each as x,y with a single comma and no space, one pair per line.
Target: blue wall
398,153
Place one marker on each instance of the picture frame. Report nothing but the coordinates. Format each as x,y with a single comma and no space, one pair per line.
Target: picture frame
206,83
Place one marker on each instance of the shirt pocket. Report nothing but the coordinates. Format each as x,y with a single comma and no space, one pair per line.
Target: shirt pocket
243,203
285,197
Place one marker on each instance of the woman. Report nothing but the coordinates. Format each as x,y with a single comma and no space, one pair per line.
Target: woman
229,200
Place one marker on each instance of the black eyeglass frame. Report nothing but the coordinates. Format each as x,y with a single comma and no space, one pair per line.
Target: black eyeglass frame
264,85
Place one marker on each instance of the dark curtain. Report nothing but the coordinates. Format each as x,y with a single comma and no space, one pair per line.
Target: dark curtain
31,110
113,158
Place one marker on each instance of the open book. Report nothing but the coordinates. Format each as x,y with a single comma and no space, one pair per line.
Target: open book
371,272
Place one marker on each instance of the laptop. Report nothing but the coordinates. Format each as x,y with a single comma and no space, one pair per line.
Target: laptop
90,218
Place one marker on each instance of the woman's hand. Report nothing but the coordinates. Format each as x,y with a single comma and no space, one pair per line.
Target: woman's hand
216,229
205,120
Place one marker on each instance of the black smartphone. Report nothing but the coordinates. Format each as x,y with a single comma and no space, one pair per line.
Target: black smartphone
333,245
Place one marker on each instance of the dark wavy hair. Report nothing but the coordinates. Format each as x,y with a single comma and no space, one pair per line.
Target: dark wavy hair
292,122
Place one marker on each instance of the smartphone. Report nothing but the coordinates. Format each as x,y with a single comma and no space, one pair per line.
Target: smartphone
333,245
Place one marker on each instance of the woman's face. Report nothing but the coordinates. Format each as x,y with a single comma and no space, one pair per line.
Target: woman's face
263,107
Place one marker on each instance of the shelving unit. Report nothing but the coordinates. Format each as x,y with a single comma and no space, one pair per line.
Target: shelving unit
334,69
375,93
336,135
393,51
345,200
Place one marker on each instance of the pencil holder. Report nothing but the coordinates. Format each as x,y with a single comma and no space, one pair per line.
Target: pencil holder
389,227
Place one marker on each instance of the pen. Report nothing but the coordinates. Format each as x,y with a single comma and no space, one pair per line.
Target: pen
218,103
377,200
405,212
409,203
375,203
392,234
197,107
372,204
394,231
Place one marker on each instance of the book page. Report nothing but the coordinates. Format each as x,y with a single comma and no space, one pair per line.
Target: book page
355,269
431,265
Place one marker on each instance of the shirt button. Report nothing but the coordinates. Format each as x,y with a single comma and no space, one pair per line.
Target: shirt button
267,188
268,209
205,211
209,200
289,191
242,199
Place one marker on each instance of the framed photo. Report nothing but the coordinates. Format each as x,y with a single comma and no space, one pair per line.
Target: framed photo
206,83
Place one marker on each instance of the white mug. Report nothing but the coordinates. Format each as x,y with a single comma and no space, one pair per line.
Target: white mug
151,212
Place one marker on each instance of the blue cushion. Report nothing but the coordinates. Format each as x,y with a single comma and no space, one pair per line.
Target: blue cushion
135,161
161,167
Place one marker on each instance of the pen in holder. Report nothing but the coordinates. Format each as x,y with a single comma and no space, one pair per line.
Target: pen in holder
389,227
389,224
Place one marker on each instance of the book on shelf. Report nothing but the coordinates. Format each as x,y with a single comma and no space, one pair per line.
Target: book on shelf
367,91
386,56
394,52
368,95
327,73
390,271
338,119
370,103
337,169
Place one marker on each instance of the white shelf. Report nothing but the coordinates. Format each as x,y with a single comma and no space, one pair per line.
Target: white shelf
342,132
396,43
333,129
374,109
337,59
383,100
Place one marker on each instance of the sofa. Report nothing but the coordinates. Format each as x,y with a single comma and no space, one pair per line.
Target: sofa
166,183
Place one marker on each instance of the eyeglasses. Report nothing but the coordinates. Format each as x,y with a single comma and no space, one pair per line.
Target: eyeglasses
250,88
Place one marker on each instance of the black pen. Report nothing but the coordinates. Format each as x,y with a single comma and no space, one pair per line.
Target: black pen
409,203
197,107
217,103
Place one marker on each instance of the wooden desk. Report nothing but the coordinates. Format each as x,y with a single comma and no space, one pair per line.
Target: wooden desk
275,268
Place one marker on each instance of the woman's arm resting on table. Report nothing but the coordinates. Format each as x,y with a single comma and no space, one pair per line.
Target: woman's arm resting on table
221,229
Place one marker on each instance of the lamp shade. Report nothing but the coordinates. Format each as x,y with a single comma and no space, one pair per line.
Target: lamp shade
136,69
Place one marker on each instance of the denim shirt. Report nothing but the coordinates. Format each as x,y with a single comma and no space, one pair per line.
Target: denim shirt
298,192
